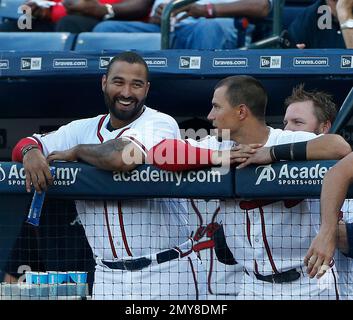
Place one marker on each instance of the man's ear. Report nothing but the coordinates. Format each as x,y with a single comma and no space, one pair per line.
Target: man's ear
326,126
104,82
148,88
243,111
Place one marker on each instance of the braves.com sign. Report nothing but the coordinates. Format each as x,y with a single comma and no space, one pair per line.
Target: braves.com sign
287,175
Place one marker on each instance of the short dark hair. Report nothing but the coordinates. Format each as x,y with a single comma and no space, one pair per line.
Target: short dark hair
246,90
129,57
324,107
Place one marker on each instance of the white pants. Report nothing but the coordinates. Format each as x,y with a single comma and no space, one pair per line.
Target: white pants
179,279
224,281
344,267
303,288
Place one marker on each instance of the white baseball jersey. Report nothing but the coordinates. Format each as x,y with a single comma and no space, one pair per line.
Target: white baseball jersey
129,229
344,264
272,238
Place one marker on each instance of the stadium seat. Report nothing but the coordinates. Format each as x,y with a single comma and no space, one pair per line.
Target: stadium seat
87,41
36,41
9,8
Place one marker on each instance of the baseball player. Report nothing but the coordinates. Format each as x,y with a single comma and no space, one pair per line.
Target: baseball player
314,111
269,238
142,247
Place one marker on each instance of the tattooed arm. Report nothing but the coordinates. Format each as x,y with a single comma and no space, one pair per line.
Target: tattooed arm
117,154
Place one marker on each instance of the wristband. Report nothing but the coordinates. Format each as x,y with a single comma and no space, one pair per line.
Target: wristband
282,152
289,151
28,148
272,154
299,150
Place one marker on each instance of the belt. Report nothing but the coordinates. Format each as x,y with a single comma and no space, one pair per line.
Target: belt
286,276
141,263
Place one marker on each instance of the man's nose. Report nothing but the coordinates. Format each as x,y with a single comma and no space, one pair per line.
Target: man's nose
126,91
210,116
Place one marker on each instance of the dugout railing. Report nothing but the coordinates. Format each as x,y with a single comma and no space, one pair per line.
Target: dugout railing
285,180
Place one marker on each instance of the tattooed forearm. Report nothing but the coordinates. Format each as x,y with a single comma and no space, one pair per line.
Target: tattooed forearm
109,155
110,147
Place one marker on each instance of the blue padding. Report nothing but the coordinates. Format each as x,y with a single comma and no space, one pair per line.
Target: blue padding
36,41
81,181
286,179
88,41
281,180
9,8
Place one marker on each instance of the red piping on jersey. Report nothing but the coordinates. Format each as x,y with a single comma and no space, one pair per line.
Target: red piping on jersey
336,288
39,142
209,279
121,132
195,280
138,143
101,139
122,229
268,250
248,225
109,232
256,267
197,212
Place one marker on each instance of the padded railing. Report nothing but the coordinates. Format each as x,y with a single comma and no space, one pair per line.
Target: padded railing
88,41
36,41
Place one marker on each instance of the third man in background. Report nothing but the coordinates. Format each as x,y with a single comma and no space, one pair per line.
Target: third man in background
314,111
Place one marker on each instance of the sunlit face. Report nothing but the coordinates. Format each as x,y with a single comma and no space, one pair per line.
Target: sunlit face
125,90
223,115
300,116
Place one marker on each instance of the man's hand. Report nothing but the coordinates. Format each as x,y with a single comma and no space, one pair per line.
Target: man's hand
193,10
260,156
67,155
237,154
320,254
91,8
37,171
157,15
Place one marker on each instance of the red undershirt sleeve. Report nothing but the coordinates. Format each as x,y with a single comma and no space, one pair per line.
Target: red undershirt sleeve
178,155
17,150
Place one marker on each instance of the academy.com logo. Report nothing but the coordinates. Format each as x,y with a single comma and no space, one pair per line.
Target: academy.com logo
2,174
291,175
16,176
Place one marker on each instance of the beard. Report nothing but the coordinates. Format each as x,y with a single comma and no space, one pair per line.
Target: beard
123,114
